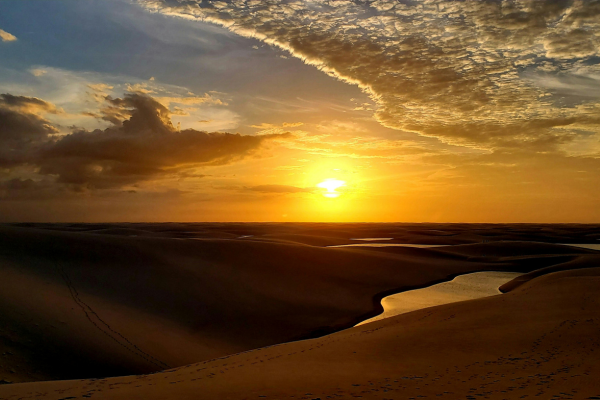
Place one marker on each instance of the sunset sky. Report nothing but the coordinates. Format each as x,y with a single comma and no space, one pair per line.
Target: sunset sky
288,110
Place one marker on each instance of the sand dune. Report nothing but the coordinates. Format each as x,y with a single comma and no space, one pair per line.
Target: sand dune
80,301
540,341
341,233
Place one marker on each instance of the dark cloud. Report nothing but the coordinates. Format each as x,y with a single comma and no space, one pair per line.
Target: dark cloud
141,147
575,43
27,104
18,127
21,129
18,184
280,189
25,189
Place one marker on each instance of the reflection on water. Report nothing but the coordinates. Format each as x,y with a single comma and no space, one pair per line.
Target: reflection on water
463,287
388,245
372,239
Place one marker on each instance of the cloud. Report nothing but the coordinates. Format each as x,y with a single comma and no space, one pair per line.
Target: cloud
7,37
27,104
21,128
281,189
192,100
349,139
145,145
440,68
142,88
38,72
270,129
30,189
570,85
82,95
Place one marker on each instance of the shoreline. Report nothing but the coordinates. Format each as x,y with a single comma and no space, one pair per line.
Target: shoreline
392,309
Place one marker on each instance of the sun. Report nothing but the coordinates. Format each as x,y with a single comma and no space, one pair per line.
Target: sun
331,186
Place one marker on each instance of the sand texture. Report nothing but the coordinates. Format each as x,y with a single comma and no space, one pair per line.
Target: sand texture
78,303
540,341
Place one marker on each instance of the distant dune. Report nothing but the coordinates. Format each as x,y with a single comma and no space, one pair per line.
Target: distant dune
89,301
340,233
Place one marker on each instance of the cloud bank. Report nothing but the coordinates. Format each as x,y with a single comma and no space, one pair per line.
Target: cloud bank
141,144
22,128
280,189
463,72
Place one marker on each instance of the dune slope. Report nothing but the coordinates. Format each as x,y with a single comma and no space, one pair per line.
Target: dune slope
77,304
541,340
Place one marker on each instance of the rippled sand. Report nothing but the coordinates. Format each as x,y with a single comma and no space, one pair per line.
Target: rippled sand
463,287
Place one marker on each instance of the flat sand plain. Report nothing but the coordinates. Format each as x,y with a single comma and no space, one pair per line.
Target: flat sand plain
90,301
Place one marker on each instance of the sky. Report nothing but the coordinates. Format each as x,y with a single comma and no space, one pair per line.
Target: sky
289,110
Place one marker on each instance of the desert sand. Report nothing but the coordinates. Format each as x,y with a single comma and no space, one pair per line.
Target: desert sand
190,303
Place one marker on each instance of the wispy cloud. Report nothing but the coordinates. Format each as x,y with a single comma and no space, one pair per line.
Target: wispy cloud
82,94
7,37
280,189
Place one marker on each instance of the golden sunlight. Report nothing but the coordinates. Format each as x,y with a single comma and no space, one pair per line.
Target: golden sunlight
331,186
